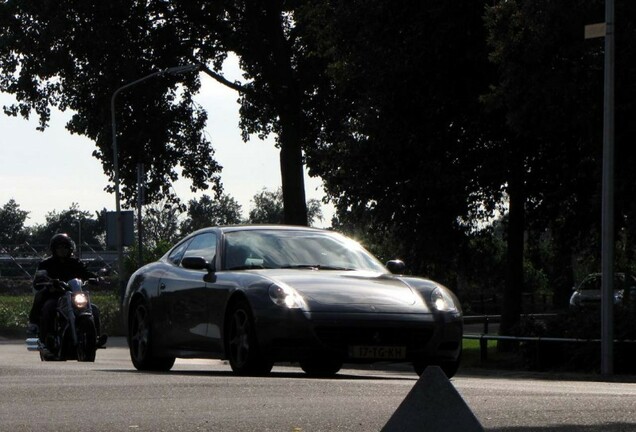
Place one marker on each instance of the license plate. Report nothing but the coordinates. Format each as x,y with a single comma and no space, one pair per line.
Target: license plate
377,352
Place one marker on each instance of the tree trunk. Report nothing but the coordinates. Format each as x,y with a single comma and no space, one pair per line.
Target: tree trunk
292,175
288,101
514,276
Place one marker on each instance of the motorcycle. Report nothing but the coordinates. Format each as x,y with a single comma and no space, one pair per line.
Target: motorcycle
73,335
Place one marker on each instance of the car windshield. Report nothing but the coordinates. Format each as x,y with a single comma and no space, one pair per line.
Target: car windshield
296,249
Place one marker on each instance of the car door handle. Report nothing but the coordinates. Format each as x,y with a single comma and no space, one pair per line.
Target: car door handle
162,286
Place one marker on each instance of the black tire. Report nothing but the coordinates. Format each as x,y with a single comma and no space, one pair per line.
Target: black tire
321,367
140,342
242,345
86,340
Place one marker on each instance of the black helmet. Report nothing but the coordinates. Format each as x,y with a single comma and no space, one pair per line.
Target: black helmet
61,239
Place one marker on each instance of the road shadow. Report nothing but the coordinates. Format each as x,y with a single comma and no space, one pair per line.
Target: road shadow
272,375
475,372
611,427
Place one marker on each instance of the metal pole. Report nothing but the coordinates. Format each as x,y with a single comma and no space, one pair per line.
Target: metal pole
140,201
79,238
120,248
607,303
118,229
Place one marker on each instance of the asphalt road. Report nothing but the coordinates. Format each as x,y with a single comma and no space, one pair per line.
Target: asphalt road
203,395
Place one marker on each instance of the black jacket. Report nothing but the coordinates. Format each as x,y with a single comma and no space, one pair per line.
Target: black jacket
64,270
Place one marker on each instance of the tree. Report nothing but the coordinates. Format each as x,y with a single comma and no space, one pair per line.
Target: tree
268,208
549,94
210,212
50,57
79,224
161,224
400,141
12,230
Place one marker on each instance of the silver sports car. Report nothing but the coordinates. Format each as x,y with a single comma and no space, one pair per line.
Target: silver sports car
257,295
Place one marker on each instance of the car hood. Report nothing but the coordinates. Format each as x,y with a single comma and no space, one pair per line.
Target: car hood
331,290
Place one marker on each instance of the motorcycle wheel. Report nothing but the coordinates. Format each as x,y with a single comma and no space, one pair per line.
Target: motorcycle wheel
140,342
86,340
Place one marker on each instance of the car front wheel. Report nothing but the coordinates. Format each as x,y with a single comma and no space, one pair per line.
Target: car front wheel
242,347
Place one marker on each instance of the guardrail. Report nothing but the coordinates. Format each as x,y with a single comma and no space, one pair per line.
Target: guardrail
485,336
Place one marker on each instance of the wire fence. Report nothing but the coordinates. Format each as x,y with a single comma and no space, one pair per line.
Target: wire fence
20,261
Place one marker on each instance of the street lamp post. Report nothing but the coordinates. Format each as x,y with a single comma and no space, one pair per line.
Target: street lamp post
119,235
607,230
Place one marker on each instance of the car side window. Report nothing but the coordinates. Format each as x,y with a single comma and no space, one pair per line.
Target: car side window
203,245
177,254
591,283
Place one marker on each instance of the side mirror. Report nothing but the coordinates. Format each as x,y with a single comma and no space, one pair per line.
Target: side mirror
196,263
396,266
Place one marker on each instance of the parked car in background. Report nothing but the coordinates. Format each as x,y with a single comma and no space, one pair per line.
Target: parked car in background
588,292
257,295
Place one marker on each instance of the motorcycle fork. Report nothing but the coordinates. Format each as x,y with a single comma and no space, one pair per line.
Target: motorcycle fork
69,315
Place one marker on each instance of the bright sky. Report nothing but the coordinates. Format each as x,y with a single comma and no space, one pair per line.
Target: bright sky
50,170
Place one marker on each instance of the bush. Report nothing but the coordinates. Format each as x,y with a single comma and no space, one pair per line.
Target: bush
583,355
14,313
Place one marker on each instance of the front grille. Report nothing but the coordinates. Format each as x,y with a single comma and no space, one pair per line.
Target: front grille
342,337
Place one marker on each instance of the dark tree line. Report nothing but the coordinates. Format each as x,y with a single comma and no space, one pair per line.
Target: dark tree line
163,223
427,121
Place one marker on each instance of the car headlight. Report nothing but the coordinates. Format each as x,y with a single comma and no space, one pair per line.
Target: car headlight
618,296
442,301
286,296
575,300
80,300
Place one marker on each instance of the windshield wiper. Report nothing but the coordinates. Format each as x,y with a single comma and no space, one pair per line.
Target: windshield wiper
315,267
249,267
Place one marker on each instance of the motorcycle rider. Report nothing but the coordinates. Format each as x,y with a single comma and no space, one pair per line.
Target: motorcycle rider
61,265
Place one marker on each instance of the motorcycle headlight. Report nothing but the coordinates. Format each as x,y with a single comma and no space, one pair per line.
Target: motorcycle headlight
286,296
442,301
80,300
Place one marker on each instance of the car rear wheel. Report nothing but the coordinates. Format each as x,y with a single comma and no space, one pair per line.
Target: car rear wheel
140,342
321,367
242,347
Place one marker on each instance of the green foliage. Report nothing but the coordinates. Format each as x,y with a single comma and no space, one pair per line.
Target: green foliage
14,313
110,313
548,93
398,144
269,209
74,222
584,354
150,253
157,122
423,120
210,212
12,226
160,224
